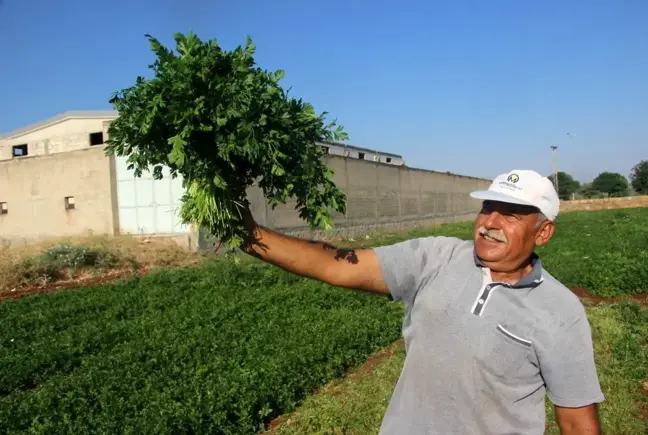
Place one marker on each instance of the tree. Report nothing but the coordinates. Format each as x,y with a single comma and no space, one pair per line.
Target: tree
566,185
639,177
612,183
222,123
587,191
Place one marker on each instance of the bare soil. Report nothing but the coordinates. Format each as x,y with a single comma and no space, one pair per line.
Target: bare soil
107,278
585,295
135,256
644,406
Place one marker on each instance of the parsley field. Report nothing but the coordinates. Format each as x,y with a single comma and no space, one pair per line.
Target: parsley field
603,251
220,348
226,346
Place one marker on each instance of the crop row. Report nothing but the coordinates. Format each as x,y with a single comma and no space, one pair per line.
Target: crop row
224,347
216,349
603,251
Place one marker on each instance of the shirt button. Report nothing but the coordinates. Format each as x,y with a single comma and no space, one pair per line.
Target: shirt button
481,301
488,287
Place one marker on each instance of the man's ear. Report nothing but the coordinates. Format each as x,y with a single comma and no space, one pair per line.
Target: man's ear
545,233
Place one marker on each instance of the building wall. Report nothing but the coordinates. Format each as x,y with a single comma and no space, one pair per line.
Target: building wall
364,154
63,136
381,196
34,190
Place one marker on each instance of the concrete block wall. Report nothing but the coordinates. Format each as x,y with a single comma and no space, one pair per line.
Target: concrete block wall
379,197
34,191
604,203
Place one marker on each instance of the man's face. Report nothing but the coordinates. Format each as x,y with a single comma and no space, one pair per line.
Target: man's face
506,234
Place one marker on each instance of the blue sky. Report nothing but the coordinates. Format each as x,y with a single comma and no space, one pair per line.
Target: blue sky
473,87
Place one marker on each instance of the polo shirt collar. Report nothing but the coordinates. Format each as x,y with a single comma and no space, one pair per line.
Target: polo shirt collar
532,279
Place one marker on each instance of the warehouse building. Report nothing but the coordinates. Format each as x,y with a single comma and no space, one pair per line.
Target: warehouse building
55,180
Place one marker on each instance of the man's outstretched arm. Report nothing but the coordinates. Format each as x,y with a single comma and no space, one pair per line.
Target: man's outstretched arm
355,269
578,421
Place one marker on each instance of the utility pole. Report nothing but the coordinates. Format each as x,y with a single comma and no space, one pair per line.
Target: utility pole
571,169
555,165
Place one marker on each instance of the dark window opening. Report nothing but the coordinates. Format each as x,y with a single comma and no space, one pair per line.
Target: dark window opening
388,159
69,203
361,156
96,138
19,150
4,208
326,150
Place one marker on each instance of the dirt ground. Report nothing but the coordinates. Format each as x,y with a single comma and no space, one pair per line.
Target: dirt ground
585,295
107,278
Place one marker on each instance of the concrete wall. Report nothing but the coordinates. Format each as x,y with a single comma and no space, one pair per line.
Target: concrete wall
66,135
34,191
61,163
604,203
381,196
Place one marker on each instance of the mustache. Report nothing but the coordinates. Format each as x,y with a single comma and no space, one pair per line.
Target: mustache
495,234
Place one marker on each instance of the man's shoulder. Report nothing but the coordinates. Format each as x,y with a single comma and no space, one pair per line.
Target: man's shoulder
558,301
430,251
431,242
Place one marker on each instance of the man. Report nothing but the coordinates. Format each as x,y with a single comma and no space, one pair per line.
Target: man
487,329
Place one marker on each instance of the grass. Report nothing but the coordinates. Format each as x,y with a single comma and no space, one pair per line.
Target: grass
590,250
70,258
228,345
356,403
603,251
220,348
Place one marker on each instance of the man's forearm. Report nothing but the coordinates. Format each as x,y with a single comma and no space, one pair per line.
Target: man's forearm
318,260
303,257
578,421
587,429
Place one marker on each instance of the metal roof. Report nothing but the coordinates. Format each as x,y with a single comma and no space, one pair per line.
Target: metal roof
356,148
112,114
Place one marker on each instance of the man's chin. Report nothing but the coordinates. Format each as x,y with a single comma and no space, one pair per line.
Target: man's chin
490,254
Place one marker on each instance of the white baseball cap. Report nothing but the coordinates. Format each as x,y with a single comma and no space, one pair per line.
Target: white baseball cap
524,187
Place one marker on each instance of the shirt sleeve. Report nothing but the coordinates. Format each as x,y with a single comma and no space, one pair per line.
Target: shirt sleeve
568,367
407,265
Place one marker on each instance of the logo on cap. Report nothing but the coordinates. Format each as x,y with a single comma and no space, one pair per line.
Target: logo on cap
513,178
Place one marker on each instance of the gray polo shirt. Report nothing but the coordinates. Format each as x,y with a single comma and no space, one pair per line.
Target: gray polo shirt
481,354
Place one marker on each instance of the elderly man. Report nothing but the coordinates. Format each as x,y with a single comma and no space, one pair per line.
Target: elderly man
487,330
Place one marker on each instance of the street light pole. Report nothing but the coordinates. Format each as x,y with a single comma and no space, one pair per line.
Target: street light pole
555,166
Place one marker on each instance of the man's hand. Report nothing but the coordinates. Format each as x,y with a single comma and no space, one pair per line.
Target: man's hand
578,421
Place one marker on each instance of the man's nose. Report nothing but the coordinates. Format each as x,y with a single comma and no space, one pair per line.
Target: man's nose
492,220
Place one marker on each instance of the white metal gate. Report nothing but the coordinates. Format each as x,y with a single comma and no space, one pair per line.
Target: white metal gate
145,205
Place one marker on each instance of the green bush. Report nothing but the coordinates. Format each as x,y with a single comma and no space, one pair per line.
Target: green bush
50,265
78,257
